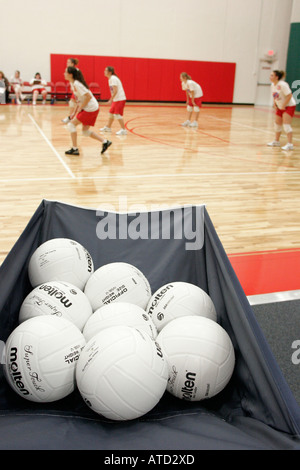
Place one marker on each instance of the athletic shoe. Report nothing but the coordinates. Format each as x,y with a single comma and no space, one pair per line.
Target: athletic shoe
18,101
72,152
186,123
122,132
194,124
105,129
288,147
34,103
66,120
275,143
105,146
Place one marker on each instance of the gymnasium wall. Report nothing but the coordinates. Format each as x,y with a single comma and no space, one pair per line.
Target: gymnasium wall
157,37
153,79
293,62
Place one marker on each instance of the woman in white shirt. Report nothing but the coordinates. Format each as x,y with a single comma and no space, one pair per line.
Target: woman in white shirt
17,86
38,86
285,106
194,96
117,101
85,113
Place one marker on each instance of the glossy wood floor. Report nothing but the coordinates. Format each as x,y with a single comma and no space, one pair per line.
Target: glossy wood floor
251,191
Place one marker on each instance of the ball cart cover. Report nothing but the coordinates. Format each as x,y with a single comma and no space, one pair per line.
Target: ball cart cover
256,410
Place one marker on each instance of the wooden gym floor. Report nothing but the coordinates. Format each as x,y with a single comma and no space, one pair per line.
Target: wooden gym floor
251,191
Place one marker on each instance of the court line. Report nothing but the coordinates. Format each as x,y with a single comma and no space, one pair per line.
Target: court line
133,131
239,124
154,175
51,146
266,131
197,150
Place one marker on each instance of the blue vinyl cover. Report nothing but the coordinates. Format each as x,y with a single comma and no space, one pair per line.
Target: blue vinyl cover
255,411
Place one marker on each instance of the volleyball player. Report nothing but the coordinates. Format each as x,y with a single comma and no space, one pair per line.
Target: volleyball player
117,101
194,95
285,106
85,113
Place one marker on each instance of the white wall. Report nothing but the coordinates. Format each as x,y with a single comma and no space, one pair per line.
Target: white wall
215,30
296,12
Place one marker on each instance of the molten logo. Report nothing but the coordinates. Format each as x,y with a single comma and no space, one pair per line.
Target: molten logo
54,292
15,374
158,297
189,386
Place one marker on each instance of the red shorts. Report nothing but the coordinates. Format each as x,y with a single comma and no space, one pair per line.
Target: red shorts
289,110
87,119
197,101
39,90
117,107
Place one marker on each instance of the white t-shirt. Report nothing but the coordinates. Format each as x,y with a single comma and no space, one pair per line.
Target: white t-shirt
79,91
280,92
41,84
195,87
16,81
115,81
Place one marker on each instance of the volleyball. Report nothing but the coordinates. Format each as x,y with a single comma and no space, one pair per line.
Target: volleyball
178,299
57,298
119,313
60,259
200,357
121,373
41,358
118,282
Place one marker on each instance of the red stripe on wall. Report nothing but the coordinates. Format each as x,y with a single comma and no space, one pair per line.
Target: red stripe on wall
267,272
153,79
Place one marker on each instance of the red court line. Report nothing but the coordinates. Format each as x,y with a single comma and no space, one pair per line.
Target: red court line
267,271
178,144
132,130
215,137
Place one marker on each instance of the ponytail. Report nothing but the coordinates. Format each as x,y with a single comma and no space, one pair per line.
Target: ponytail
77,75
279,74
111,70
74,61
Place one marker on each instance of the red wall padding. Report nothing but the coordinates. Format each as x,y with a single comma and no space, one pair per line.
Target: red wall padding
153,79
